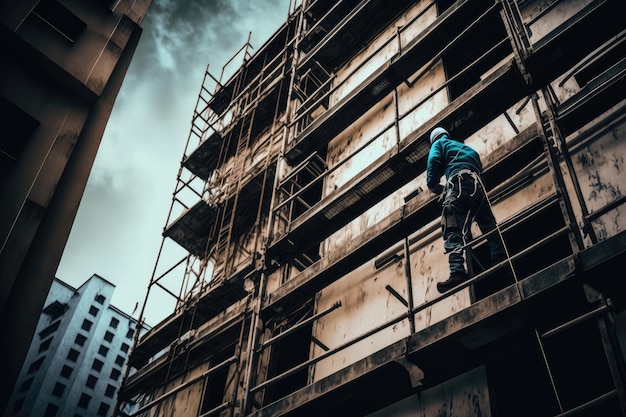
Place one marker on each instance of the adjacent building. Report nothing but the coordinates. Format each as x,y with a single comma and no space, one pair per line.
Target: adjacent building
78,354
313,247
62,64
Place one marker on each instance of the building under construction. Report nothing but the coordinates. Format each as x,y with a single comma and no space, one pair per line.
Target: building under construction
312,245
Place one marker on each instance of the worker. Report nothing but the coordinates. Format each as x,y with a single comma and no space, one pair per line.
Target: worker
464,201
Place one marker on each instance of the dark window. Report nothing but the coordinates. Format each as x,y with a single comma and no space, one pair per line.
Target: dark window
115,374
93,311
97,365
215,386
43,346
125,347
34,367
108,4
21,125
99,299
60,18
83,402
119,360
55,310
130,333
108,336
72,355
49,330
58,389
80,339
26,384
294,349
114,322
91,381
66,371
86,325
469,57
103,350
103,409
110,391
51,410
18,405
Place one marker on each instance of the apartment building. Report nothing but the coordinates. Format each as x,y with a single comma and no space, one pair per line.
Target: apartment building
313,246
77,357
62,65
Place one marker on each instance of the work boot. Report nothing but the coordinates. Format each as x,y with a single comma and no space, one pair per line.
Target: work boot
456,278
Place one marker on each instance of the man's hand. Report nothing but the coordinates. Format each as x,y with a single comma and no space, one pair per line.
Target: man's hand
438,189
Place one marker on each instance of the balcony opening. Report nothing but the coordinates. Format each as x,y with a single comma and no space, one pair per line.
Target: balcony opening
475,54
542,224
216,384
287,353
60,19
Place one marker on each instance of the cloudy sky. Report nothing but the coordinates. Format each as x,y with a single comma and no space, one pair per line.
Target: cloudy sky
117,232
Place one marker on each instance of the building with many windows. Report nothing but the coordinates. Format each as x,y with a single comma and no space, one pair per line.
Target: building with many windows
313,246
78,354
62,64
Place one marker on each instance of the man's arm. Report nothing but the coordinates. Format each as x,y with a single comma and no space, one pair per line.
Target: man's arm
433,169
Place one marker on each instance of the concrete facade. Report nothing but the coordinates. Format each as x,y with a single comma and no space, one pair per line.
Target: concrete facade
78,355
63,63
314,246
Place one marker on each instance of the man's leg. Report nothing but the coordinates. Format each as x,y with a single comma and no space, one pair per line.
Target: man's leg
487,223
452,222
453,238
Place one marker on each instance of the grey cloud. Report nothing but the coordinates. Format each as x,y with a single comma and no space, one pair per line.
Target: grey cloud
189,30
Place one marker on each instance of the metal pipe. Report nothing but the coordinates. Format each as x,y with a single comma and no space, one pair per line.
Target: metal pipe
329,353
602,309
215,410
506,225
550,376
491,270
409,283
607,46
184,385
613,354
256,321
558,176
588,405
596,214
453,41
292,329
423,306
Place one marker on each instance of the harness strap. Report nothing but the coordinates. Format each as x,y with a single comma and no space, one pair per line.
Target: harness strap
457,176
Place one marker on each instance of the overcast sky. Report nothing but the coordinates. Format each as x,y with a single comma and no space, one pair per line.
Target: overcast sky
117,231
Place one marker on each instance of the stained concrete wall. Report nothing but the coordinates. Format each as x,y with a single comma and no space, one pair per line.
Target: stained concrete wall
599,166
366,296
185,402
366,303
465,395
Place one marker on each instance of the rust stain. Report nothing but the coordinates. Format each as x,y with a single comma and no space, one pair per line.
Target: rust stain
599,186
361,296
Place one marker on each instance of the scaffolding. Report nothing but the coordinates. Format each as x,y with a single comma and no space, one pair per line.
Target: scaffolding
258,166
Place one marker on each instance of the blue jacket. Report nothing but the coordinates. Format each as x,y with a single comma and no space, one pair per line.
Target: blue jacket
448,157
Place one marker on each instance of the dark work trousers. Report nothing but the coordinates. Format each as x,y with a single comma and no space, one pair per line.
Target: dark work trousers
464,202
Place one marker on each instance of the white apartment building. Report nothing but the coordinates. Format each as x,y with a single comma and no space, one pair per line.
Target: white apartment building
77,356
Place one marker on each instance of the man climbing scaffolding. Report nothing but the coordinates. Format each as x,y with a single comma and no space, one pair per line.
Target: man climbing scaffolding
464,201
